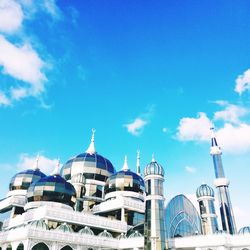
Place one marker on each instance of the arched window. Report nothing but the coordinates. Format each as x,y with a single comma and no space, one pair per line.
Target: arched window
40,246
67,248
9,247
20,246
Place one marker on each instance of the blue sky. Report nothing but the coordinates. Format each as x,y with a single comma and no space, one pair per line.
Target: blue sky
148,75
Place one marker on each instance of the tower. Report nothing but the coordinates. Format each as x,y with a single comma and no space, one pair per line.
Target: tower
205,198
222,183
154,227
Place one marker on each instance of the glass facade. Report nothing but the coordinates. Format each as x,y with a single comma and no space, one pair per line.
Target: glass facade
182,219
23,179
52,188
125,181
93,166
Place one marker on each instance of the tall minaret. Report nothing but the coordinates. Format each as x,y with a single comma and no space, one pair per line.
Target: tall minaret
138,168
222,183
154,227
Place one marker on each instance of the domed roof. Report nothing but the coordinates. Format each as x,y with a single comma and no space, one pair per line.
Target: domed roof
106,234
125,180
39,224
135,234
121,236
86,230
244,230
154,168
52,188
90,164
204,190
22,180
64,227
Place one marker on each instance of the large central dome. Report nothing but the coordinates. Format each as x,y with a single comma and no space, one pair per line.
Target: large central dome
92,165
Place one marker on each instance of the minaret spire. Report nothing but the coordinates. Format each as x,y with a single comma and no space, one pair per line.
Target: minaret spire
125,165
222,183
138,170
57,168
153,158
35,166
91,149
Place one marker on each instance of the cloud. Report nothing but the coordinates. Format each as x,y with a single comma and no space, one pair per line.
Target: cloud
20,60
194,129
231,113
136,127
164,130
11,16
4,100
45,164
22,63
234,138
241,216
243,82
191,170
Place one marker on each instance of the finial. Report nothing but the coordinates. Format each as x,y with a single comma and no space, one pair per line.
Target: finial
125,165
35,166
138,170
203,183
57,168
91,149
153,158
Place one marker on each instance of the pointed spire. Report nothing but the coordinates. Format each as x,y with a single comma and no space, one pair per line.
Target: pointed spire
57,168
138,170
213,138
153,158
215,149
91,149
35,166
125,165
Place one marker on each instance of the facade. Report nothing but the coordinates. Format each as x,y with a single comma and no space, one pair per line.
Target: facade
87,205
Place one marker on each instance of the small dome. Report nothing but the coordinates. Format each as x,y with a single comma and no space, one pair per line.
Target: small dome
244,230
135,234
39,224
64,227
52,188
125,180
106,234
86,230
22,180
154,168
122,236
204,190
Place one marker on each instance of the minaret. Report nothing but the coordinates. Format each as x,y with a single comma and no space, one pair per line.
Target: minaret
205,198
154,227
138,169
222,183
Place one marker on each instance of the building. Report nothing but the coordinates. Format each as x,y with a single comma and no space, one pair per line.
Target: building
88,205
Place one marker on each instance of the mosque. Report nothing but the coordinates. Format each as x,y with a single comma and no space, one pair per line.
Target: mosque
87,205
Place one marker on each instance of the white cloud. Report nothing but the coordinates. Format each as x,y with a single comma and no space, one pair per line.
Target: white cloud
243,82
194,129
234,138
4,100
191,170
231,113
45,164
165,130
11,16
136,127
22,63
